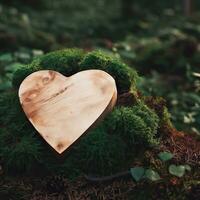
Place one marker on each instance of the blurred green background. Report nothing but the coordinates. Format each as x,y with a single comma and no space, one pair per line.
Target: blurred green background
161,39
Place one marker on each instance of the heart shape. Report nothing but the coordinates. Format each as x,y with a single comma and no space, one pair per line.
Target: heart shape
62,108
178,171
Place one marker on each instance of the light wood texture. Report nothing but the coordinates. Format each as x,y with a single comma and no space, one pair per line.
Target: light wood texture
62,108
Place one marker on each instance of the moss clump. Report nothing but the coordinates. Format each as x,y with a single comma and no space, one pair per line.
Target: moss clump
63,61
158,104
99,152
19,154
123,75
12,116
95,153
71,61
23,72
116,138
137,125
21,148
120,136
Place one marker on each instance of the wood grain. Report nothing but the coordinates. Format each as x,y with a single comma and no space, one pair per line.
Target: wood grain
62,108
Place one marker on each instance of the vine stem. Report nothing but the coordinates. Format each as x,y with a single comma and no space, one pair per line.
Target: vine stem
107,178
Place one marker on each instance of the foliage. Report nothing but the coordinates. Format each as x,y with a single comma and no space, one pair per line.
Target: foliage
152,175
165,156
179,170
168,55
137,173
183,104
164,55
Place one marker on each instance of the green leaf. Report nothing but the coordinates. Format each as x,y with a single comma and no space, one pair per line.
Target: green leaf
178,171
137,173
152,175
187,167
165,156
7,57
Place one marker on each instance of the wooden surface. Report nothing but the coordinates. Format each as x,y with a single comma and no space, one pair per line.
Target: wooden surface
63,108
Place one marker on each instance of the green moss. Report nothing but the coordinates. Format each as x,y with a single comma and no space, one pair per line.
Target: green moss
166,116
95,153
11,114
148,115
124,76
71,61
158,104
63,61
136,125
19,154
21,73
19,146
99,152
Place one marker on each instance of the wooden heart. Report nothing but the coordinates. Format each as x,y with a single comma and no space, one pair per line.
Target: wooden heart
62,108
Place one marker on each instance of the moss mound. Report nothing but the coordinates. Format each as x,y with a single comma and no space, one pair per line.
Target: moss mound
108,148
137,125
71,61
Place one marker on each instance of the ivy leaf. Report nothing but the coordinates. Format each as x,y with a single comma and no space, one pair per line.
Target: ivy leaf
165,156
187,167
152,175
137,173
178,171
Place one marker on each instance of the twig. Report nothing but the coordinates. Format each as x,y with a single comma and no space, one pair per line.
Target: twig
107,178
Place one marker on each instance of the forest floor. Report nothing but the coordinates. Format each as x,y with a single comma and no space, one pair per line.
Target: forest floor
166,53
186,149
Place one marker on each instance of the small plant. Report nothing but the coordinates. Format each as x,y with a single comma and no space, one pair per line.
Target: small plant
165,156
19,156
152,175
179,170
139,173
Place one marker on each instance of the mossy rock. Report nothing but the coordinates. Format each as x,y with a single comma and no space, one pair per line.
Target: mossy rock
71,61
108,148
